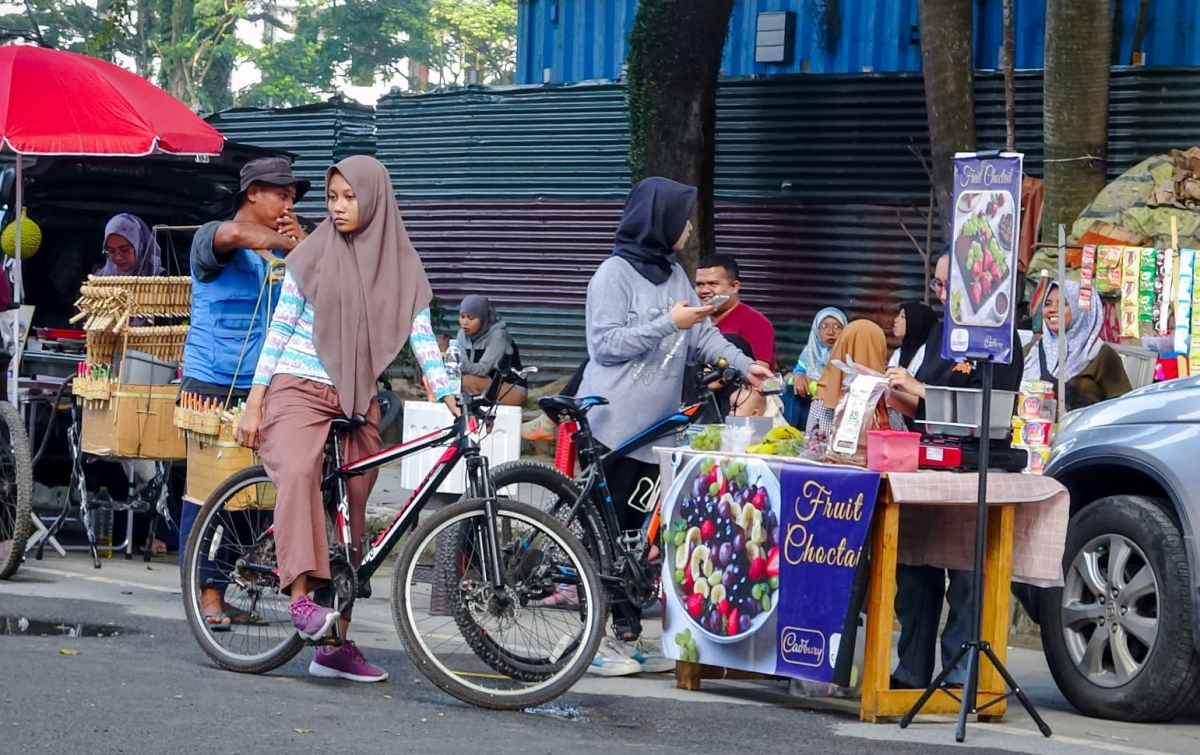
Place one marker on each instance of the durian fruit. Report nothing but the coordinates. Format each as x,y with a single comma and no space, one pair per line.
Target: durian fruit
31,237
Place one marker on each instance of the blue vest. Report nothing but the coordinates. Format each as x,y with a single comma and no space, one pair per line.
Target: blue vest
223,315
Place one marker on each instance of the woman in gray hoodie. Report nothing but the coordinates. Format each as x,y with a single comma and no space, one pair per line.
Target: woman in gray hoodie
645,324
485,345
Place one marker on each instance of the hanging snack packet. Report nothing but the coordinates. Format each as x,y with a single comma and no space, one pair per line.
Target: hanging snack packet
1164,275
1087,272
1147,273
1108,270
1131,258
1183,301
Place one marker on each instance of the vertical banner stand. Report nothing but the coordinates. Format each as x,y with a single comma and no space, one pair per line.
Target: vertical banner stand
975,647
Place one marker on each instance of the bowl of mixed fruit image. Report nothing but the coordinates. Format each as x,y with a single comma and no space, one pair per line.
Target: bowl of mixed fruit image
722,545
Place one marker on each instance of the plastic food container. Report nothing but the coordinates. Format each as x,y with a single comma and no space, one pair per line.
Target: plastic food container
892,451
143,369
957,411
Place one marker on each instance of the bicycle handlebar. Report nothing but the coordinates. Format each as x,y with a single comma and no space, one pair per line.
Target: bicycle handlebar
479,405
723,373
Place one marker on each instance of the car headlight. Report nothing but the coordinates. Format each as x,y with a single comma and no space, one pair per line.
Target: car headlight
1069,419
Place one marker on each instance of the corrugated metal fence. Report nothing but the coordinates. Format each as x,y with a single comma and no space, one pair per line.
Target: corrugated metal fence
802,139
516,192
580,40
318,135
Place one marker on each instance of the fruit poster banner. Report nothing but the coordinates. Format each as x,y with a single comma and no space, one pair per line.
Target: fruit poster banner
981,293
760,560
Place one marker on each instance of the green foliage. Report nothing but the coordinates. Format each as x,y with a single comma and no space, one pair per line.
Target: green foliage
475,35
190,47
645,51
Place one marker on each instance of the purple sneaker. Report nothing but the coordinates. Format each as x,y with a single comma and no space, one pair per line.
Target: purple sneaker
346,662
311,620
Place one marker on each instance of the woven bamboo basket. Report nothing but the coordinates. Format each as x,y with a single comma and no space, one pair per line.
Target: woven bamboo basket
108,303
163,342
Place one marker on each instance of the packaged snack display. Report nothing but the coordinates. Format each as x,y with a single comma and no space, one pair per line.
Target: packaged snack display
1034,425
1147,276
1087,272
1164,276
1131,257
1183,301
1108,269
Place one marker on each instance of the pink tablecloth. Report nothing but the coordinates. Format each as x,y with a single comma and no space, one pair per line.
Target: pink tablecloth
944,536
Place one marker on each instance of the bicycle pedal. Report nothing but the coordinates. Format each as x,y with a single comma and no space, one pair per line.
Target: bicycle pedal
324,642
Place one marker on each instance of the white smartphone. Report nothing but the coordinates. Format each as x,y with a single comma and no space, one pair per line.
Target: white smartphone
717,301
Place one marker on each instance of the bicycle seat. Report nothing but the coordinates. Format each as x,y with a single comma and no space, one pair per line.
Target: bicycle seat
559,408
339,425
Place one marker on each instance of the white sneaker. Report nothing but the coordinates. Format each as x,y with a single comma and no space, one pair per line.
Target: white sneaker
649,656
611,660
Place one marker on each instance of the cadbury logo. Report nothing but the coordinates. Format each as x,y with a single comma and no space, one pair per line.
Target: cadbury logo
801,647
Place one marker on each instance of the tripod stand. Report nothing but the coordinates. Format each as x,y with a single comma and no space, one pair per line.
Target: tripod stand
975,648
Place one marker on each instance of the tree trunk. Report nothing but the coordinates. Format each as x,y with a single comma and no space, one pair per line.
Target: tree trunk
1078,51
675,51
175,67
947,30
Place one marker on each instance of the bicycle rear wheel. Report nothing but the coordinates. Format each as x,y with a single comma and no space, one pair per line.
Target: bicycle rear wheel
16,490
231,557
537,554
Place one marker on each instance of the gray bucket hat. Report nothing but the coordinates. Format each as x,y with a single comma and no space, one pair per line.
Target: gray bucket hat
276,171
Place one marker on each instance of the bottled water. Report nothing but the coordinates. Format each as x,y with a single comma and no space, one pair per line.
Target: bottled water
454,366
102,520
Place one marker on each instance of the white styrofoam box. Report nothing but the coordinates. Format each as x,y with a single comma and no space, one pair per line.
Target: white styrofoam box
423,417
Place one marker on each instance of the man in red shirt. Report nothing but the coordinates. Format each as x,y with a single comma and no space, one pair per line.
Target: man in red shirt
718,276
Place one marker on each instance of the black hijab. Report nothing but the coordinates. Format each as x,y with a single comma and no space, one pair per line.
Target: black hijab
918,324
655,216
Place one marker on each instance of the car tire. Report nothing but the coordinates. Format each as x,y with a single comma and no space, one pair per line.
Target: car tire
1146,667
389,409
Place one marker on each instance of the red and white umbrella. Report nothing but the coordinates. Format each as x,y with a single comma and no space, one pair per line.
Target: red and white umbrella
62,103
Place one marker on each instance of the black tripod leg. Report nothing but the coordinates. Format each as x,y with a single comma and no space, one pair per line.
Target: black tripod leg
970,690
1016,690
933,687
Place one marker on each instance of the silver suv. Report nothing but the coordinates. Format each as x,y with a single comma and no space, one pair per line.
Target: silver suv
1122,636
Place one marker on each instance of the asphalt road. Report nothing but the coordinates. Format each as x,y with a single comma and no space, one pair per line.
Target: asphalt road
149,689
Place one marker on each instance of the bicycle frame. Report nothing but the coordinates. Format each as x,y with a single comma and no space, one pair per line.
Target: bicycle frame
463,445
595,481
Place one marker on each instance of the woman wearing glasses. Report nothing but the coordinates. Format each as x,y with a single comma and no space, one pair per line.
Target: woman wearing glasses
920,590
827,326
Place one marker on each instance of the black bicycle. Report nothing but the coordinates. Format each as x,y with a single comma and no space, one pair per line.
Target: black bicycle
626,559
467,588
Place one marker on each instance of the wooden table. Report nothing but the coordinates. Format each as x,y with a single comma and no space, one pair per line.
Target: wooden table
879,702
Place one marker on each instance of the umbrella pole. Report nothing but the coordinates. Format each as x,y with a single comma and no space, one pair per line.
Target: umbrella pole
18,294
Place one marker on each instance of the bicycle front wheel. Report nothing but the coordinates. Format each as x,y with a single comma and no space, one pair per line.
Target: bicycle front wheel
16,490
537,554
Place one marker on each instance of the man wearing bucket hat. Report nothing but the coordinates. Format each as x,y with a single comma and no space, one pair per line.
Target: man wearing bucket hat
232,302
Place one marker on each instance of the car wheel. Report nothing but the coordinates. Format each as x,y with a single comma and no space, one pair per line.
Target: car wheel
1118,635
389,409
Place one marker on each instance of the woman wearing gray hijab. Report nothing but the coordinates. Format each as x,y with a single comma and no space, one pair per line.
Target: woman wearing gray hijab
484,346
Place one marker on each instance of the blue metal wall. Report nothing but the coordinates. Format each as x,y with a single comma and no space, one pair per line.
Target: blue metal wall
582,40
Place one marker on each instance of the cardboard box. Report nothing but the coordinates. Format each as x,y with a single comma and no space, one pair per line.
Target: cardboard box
137,422
210,463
